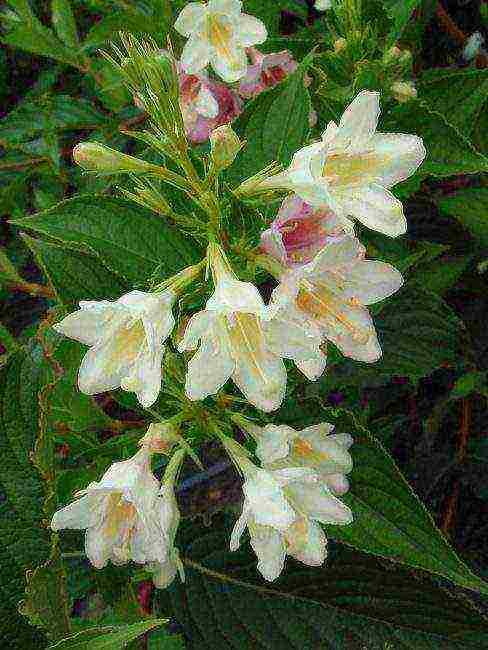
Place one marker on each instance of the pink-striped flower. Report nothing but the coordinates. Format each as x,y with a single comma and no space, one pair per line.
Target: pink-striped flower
265,71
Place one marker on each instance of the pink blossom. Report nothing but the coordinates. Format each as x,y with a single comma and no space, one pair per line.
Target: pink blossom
266,71
205,105
300,231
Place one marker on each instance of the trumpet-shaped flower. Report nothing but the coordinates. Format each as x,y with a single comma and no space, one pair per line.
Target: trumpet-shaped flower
300,231
281,508
233,344
126,339
333,292
352,168
316,447
120,515
205,105
266,71
218,33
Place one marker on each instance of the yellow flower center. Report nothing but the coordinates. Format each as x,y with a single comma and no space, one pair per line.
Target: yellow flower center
302,447
220,34
320,303
352,168
118,512
126,345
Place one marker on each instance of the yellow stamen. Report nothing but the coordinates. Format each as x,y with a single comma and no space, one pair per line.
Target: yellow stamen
247,342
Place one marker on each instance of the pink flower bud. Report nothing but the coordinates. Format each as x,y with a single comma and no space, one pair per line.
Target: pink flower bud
205,105
266,71
299,232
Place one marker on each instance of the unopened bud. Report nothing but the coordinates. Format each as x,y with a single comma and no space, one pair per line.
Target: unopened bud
392,55
225,146
96,157
403,91
340,45
160,437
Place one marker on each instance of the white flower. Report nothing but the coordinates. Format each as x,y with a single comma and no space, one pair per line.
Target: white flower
332,292
280,445
351,169
473,46
169,516
403,91
126,339
233,345
120,515
281,508
218,34
323,5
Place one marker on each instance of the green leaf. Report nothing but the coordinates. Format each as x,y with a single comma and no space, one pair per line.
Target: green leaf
471,382
57,112
449,152
470,208
26,32
400,12
23,539
64,23
107,638
352,602
418,333
130,240
75,275
442,276
459,95
390,520
275,125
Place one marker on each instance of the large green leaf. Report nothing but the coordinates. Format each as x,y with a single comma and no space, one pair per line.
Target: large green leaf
459,95
470,208
275,125
353,602
449,152
130,240
58,112
75,275
107,638
64,23
26,32
23,539
390,520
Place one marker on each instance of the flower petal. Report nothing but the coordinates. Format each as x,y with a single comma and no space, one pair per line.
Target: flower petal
314,367
317,502
376,208
250,31
98,546
226,7
338,483
239,527
267,502
208,369
75,516
274,442
196,55
84,325
268,544
400,154
231,67
358,122
198,325
310,548
148,376
205,104
189,18
236,296
266,389
371,281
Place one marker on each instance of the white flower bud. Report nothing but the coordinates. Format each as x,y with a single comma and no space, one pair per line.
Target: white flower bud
403,91
96,157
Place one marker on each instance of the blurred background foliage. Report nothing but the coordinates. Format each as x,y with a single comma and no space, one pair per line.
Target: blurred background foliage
425,401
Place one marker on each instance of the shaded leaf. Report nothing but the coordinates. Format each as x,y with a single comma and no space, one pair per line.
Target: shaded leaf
64,22
107,638
105,226
349,604
275,125
75,275
470,208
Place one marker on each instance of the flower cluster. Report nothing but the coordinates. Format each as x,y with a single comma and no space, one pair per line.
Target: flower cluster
324,285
